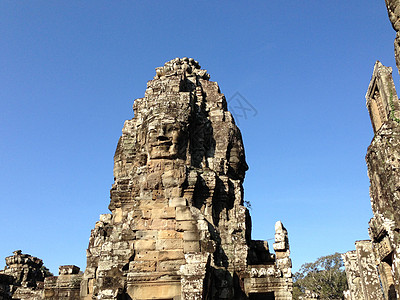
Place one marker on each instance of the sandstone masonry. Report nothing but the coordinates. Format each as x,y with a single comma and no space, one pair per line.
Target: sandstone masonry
178,227
26,278
373,270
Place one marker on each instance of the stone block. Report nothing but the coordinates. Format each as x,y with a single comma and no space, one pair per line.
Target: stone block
282,254
164,213
170,265
68,270
170,234
142,266
105,265
142,224
149,203
169,244
183,213
122,252
280,246
144,255
177,202
191,236
105,218
145,245
175,192
152,181
158,195
170,255
170,290
186,226
163,224
146,213
191,246
146,234
170,178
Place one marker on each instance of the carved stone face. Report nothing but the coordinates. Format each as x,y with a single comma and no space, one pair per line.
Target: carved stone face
164,139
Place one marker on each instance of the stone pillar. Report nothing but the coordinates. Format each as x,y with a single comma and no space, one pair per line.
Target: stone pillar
353,275
281,247
369,277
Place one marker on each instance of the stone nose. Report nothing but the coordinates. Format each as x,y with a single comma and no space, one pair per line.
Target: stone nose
161,136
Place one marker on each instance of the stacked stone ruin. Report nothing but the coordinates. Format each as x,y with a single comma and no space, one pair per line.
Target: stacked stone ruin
178,227
25,277
373,269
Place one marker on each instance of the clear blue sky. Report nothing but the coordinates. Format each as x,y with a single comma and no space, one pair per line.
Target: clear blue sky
70,70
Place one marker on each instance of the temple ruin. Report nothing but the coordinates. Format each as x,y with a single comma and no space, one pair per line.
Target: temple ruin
373,270
178,227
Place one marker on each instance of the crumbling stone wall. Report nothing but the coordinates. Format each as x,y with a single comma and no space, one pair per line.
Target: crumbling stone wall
26,278
65,286
22,277
382,256
178,228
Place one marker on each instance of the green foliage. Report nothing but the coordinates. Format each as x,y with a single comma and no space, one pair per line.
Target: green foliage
325,276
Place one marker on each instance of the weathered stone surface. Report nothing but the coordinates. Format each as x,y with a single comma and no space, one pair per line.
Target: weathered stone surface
378,260
65,286
22,277
383,162
362,275
353,276
25,278
381,97
368,272
178,223
25,269
178,228
393,8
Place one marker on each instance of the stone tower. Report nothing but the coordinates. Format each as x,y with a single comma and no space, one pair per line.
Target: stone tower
178,228
373,270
